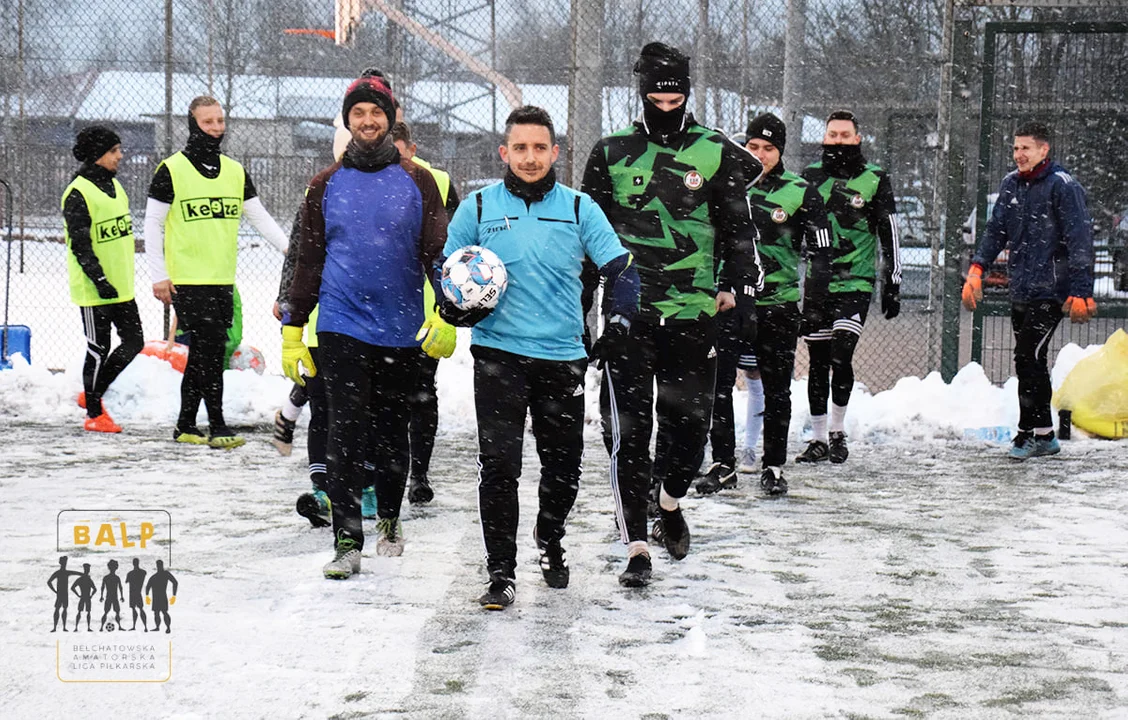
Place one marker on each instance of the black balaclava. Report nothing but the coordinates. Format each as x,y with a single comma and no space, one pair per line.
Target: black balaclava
662,69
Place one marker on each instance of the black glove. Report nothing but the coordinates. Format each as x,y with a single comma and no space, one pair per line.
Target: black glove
462,318
612,344
744,321
105,288
890,300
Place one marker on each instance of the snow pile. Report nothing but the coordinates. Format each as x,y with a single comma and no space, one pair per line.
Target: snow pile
148,391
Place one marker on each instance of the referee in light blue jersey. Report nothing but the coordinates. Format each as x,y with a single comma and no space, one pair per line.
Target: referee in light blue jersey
529,352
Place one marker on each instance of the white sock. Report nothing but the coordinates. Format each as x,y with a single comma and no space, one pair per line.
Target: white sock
666,501
777,470
837,417
290,411
754,417
1043,430
638,547
818,428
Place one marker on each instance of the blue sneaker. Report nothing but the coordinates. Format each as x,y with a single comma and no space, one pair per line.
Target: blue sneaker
368,503
1028,445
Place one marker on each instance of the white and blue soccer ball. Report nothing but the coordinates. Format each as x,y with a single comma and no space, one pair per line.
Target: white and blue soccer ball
474,278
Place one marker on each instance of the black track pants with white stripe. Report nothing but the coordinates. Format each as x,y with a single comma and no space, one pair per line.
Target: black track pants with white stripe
681,358
506,388
1033,324
102,367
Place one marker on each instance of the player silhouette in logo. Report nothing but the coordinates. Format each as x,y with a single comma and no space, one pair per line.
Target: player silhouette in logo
84,588
158,583
135,579
58,583
111,593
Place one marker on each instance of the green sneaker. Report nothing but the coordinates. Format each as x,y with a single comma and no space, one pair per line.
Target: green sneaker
189,436
224,439
345,562
391,537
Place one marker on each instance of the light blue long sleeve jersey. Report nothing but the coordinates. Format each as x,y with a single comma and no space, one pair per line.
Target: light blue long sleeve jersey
543,246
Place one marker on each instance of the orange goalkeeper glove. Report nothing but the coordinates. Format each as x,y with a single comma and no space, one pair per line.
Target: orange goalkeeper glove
973,287
1079,310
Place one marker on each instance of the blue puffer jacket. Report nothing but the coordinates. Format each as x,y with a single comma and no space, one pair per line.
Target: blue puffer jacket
1045,225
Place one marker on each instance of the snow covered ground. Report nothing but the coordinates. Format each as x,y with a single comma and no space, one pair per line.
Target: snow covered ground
927,577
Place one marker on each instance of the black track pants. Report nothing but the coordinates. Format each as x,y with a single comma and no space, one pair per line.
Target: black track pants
1034,324
681,358
102,366
205,311
506,387
424,416
777,329
366,389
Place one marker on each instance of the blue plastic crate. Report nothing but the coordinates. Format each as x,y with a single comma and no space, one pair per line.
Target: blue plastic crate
19,341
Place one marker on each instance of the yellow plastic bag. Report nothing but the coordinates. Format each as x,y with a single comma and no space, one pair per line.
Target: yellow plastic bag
1096,390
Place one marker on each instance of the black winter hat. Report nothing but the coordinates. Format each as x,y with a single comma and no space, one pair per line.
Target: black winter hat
373,89
93,142
662,69
767,127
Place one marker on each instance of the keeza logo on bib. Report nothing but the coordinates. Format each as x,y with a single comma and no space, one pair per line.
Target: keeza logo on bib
115,229
221,208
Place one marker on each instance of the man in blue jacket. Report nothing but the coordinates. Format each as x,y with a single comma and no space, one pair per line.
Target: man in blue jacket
370,226
529,354
1041,218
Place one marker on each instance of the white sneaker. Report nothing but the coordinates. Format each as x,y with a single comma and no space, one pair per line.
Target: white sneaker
390,543
748,462
345,562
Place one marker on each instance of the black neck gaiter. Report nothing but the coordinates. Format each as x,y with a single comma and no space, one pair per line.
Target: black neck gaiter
843,160
370,158
530,192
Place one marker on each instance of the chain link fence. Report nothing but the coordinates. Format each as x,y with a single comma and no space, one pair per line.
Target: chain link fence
457,67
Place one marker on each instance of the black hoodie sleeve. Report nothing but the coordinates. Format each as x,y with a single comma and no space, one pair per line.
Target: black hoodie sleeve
160,189
77,217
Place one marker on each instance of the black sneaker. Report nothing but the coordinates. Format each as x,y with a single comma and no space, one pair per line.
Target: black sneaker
674,532
552,563
500,595
315,507
420,490
838,451
721,476
637,573
817,451
283,437
773,484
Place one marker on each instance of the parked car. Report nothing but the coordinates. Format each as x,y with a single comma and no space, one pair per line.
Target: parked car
1118,247
996,274
911,220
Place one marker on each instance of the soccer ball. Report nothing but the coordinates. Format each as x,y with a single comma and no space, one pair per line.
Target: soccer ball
474,278
248,357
